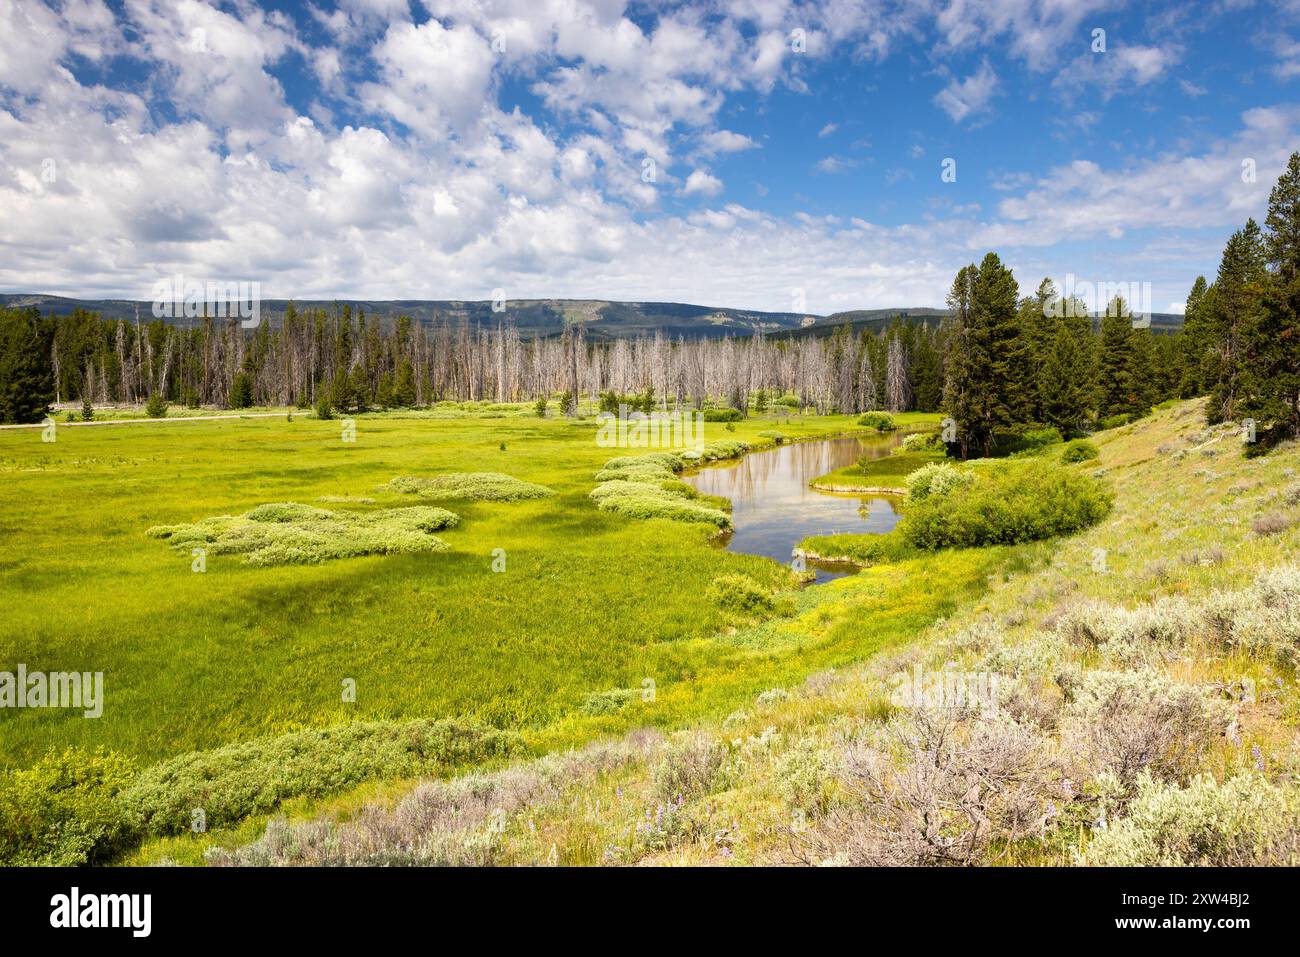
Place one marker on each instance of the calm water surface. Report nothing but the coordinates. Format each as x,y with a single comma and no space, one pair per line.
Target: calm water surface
774,509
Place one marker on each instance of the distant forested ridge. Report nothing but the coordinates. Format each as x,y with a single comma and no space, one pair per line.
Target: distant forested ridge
353,360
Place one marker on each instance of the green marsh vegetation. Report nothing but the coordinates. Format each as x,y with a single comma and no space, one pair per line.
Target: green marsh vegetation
475,486
591,603
288,533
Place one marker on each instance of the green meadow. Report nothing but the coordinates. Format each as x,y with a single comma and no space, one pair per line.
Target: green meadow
589,603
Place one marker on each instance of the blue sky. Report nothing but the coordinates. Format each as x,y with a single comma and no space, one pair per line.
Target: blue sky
769,154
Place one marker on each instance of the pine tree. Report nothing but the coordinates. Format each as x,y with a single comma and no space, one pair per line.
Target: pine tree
156,407
1193,342
360,389
1115,387
404,390
1038,326
26,367
1067,386
384,394
929,373
988,350
1143,373
241,391
1236,317
1271,367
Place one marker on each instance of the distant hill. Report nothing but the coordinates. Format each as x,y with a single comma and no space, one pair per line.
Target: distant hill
603,319
874,320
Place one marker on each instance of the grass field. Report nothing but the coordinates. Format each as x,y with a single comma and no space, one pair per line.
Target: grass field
588,602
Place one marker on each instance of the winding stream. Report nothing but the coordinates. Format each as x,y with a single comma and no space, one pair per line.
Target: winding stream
773,508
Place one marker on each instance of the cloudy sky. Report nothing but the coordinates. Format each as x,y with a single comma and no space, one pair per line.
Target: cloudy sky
725,152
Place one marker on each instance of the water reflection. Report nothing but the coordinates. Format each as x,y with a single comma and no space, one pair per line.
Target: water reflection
774,509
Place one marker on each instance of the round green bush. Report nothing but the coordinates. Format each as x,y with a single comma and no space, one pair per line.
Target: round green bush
1079,450
740,593
1005,503
937,478
880,421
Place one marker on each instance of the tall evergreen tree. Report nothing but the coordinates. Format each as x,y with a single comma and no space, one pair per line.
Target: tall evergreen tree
928,372
1117,393
1271,366
1193,342
26,365
1067,382
987,350
1039,329
1236,306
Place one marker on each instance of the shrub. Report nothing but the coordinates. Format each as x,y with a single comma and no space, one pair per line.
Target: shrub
1130,637
923,442
1029,442
87,409
1115,421
324,407
1130,722
1080,450
723,415
1270,523
1262,618
805,776
254,777
880,421
692,766
1006,503
1244,822
913,796
156,407
63,811
539,407
938,479
777,437
468,486
609,702
740,593
1040,438
456,822
288,533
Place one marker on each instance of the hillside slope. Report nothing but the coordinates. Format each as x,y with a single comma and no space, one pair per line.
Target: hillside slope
602,319
1143,712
